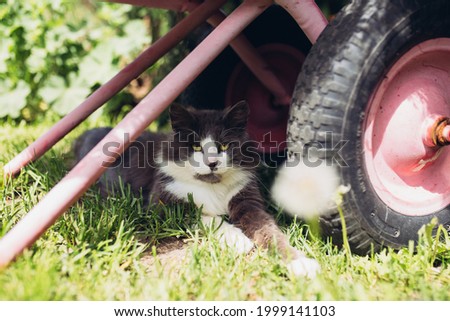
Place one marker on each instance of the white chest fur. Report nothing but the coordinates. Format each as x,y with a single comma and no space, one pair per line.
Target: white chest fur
213,198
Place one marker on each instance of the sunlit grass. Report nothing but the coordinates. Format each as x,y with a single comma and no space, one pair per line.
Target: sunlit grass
105,250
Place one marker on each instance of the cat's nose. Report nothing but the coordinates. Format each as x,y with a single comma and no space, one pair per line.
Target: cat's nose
213,165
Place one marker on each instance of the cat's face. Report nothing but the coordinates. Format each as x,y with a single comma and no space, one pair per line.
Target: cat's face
210,145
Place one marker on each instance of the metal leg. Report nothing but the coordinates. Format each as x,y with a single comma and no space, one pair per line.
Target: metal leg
89,169
308,16
112,87
243,48
256,64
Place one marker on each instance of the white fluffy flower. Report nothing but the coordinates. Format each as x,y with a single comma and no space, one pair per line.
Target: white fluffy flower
306,191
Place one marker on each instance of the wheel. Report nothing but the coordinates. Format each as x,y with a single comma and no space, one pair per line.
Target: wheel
373,97
226,81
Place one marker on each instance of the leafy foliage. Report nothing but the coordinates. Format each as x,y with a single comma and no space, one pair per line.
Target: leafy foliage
53,53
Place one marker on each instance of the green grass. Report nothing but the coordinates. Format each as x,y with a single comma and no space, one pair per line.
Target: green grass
106,250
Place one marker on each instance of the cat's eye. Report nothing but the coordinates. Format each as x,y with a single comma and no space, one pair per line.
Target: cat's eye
197,148
223,147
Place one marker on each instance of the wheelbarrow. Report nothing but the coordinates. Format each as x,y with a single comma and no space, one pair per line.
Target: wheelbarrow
372,97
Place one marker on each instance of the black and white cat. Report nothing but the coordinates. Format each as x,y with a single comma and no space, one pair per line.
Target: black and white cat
210,156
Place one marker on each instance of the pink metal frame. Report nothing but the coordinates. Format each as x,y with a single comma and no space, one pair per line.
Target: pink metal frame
88,170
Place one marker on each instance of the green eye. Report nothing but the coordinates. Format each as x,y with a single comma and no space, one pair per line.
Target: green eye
223,147
197,148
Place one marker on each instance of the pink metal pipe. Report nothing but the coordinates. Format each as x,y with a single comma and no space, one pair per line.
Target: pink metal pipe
112,87
243,48
256,64
308,16
306,12
89,169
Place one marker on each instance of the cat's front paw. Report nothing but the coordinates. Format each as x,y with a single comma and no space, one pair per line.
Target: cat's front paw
230,236
304,266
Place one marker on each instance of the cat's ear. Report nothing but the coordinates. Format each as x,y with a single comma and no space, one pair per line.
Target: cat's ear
181,117
236,115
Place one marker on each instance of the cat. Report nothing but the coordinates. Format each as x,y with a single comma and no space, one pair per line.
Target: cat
209,155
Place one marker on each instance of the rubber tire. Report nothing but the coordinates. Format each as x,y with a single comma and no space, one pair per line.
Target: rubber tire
338,77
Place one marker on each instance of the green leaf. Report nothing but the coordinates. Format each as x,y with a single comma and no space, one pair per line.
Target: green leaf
64,98
69,99
97,67
5,44
13,100
52,89
36,61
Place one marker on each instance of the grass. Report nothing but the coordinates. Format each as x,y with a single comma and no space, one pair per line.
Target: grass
107,250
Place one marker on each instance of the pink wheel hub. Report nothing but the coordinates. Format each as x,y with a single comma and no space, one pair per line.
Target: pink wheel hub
407,129
268,121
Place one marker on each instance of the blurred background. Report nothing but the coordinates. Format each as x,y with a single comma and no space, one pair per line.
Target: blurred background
54,53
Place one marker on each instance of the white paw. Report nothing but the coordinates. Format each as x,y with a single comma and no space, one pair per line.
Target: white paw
304,266
229,235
